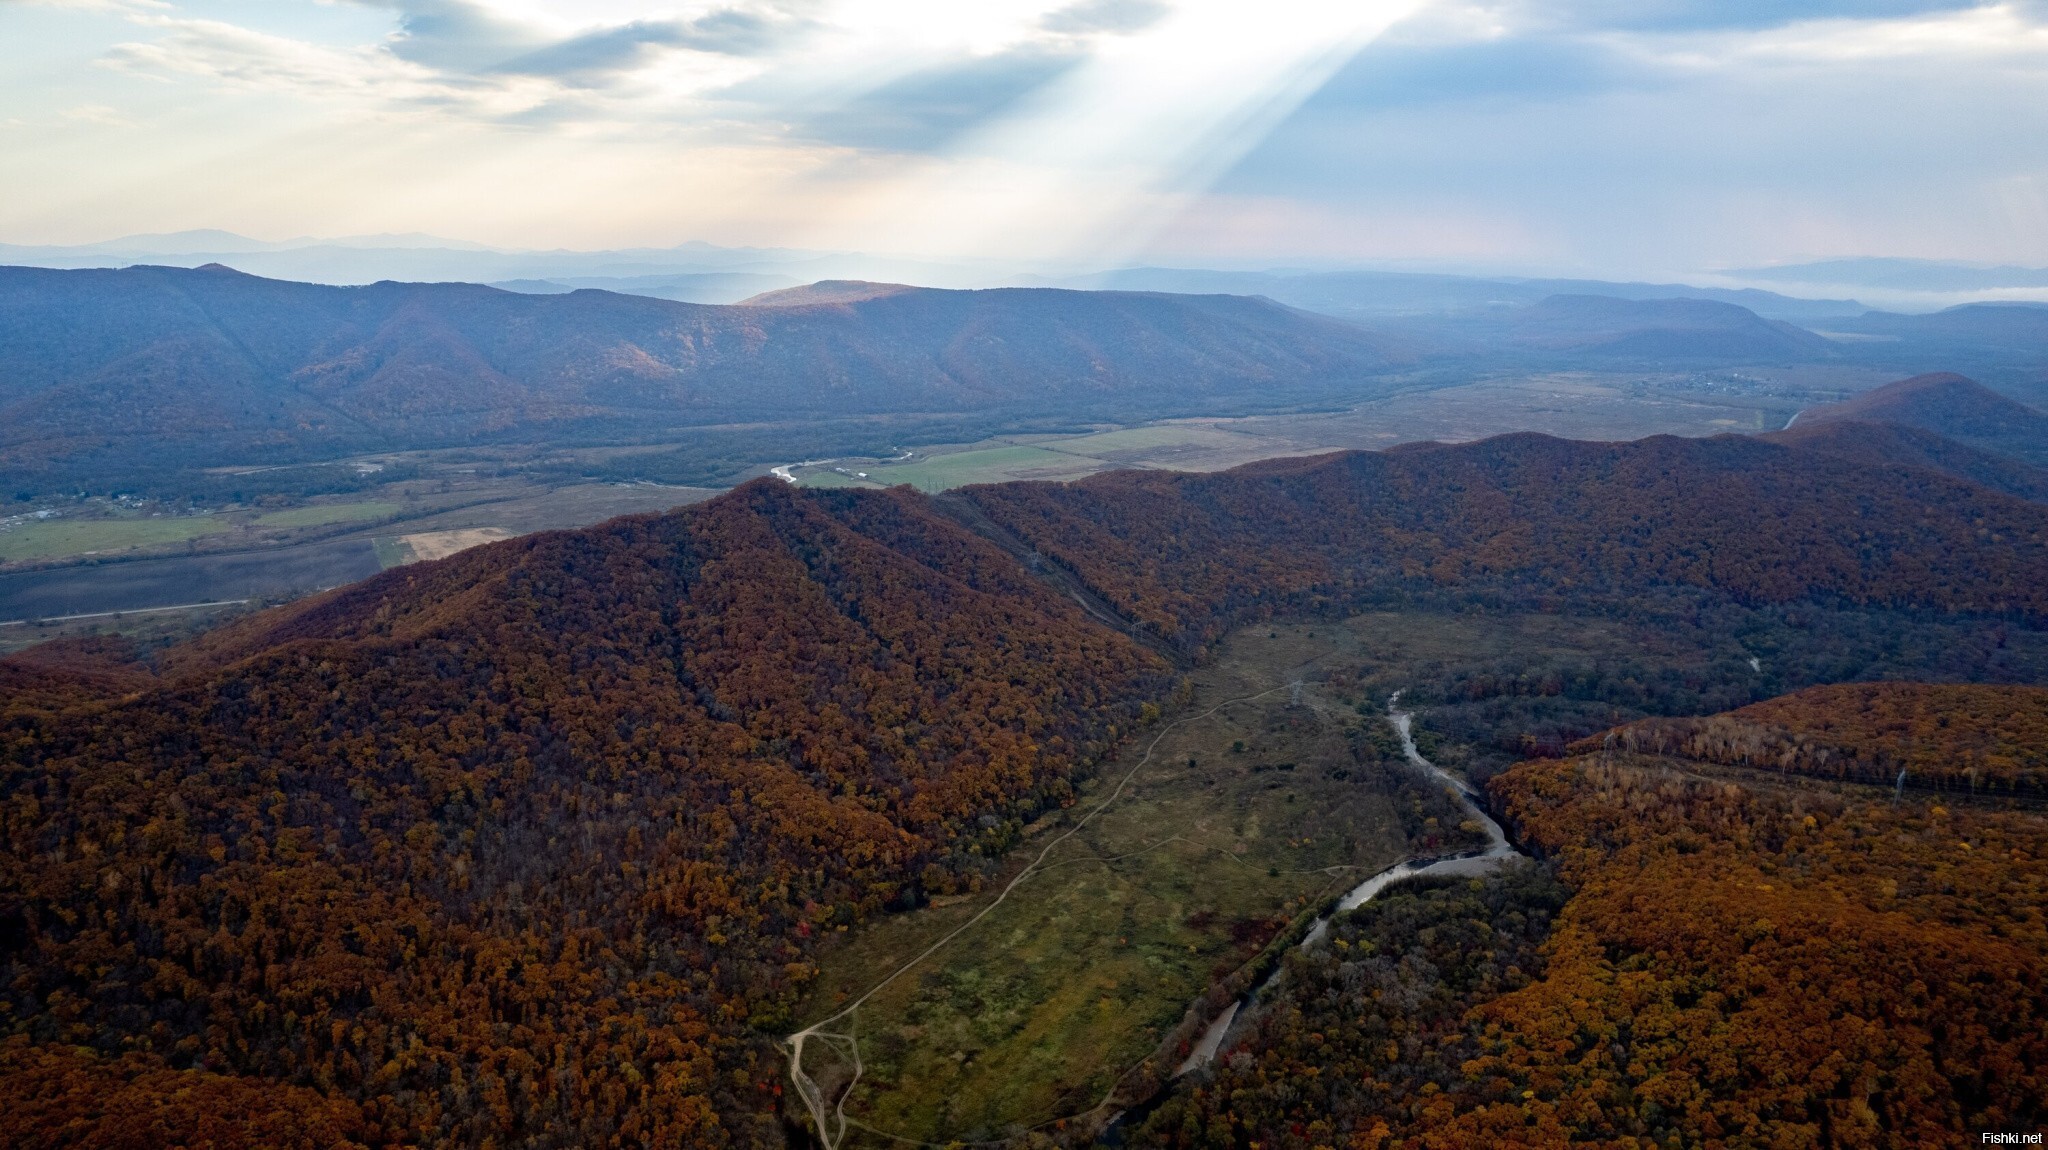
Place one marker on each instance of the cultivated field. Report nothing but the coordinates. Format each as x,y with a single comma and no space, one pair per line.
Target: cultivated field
57,538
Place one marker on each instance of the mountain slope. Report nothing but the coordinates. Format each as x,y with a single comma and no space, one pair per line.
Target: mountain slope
213,364
1950,406
511,846
516,847
1897,445
1533,516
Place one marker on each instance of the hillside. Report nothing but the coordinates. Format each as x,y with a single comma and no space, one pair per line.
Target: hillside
532,845
512,846
1530,516
1951,736
1950,406
210,365
1898,445
1727,961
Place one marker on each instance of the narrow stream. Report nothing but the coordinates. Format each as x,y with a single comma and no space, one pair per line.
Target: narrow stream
1497,849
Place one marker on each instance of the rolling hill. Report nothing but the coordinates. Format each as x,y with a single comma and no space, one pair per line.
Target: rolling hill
1951,406
1898,445
532,845
1606,333
1679,329
212,366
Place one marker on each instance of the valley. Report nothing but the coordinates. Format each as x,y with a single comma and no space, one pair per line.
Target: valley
270,534
1577,405
1061,575
952,772
1260,796
1073,981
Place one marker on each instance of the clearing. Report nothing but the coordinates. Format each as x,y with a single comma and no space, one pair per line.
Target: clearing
1258,800
50,538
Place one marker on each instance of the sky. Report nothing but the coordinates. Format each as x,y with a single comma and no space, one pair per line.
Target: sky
1598,137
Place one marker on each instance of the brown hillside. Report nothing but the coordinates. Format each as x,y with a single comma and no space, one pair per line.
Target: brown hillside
1952,735
1898,445
511,847
530,845
1182,553
1951,406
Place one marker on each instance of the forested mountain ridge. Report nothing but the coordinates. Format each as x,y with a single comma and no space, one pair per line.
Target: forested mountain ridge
1534,516
515,847
1738,962
217,365
510,847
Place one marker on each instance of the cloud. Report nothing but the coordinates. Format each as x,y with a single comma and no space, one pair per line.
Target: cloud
930,109
594,57
1697,15
1395,74
1113,16
457,35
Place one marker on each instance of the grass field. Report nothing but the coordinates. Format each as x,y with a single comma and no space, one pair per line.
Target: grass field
52,538
942,472
1180,446
325,513
1039,1009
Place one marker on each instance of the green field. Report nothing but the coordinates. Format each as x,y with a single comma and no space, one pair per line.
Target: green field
1246,815
326,513
1137,439
960,468
57,538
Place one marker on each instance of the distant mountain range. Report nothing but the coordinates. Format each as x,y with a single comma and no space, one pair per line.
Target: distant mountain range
210,363
1902,275
1573,329
1367,294
690,272
167,367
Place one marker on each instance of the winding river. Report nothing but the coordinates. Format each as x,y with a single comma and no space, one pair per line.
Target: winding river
1217,1032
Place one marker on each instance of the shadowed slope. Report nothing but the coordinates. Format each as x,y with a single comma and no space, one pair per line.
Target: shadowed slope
1898,445
1951,406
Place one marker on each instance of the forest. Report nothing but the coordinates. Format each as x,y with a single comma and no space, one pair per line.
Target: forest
1534,521
532,846
1741,960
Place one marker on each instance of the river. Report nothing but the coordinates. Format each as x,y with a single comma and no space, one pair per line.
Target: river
1217,1033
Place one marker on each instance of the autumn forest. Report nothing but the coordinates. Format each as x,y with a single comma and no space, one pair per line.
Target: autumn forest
541,845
